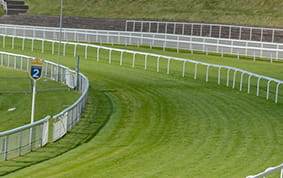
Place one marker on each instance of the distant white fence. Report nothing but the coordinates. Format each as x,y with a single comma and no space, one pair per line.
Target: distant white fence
207,30
269,171
253,49
21,140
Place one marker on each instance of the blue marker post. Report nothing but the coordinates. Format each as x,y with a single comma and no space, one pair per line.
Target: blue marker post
35,74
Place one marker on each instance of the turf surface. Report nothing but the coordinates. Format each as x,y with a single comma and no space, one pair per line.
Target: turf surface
140,123
47,102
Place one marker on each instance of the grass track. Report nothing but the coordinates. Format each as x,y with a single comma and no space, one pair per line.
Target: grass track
22,101
167,126
83,132
145,138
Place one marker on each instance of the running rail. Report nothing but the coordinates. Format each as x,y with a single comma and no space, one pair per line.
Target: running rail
18,141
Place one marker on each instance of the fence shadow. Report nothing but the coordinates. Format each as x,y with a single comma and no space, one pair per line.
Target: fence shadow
98,112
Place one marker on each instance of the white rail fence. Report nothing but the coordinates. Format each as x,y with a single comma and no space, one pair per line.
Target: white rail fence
21,140
269,171
109,52
253,49
207,30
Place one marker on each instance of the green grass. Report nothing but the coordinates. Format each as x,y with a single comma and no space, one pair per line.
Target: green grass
2,12
163,126
251,12
140,123
47,102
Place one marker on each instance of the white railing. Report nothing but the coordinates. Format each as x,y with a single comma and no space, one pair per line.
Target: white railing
269,171
21,140
253,49
97,49
3,3
24,139
208,30
67,119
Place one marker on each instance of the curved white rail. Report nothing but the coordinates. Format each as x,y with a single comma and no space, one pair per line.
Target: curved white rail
268,171
18,141
97,48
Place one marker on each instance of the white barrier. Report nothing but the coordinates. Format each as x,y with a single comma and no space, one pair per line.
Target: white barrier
89,47
17,142
208,30
268,171
253,49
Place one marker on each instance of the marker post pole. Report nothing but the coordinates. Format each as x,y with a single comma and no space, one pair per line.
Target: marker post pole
33,101
35,74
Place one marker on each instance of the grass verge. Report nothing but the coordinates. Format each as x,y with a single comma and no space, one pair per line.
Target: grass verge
252,12
47,102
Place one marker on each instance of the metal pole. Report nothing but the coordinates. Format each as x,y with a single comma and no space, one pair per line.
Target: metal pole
32,112
33,101
60,39
77,71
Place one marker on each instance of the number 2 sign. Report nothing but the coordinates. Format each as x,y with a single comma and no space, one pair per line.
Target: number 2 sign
36,68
